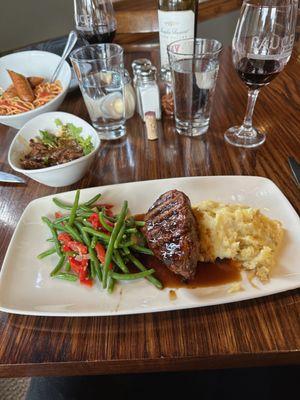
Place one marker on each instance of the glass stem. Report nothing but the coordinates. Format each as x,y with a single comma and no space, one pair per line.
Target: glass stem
252,97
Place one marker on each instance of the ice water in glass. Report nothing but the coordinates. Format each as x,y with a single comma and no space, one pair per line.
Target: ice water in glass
193,78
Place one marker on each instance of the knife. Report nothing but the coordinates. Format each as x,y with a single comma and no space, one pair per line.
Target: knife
295,167
5,177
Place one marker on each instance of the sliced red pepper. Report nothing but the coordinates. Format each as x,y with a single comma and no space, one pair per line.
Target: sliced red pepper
101,253
77,246
87,281
75,265
94,220
80,268
64,238
58,214
66,248
71,245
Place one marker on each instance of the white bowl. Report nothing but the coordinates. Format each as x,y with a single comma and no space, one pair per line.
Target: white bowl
33,63
58,175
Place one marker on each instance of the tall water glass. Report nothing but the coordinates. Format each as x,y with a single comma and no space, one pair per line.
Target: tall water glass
194,65
100,72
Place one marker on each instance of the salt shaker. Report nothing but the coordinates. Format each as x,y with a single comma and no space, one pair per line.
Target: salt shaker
137,65
148,91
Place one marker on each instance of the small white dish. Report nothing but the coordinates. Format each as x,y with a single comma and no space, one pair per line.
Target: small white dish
58,175
26,287
33,63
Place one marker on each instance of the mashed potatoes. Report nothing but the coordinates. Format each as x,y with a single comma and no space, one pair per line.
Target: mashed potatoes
240,233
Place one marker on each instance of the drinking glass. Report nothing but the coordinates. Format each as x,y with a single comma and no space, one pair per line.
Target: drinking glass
261,47
95,20
194,65
100,72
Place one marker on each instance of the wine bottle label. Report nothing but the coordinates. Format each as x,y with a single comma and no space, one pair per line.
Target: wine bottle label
174,25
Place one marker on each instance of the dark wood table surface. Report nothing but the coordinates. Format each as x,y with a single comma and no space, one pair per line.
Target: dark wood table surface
258,332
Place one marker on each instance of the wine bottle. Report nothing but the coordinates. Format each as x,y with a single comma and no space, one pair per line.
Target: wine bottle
176,20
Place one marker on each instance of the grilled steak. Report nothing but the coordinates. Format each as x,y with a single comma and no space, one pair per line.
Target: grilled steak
172,234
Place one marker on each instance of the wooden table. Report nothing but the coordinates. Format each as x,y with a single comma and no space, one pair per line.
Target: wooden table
259,332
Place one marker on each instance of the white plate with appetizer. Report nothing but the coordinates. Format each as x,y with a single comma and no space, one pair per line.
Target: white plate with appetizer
25,85
215,240
54,148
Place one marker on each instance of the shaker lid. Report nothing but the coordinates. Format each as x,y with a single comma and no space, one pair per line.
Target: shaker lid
146,74
139,64
165,75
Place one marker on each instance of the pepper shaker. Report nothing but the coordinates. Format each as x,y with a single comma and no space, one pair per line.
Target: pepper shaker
167,97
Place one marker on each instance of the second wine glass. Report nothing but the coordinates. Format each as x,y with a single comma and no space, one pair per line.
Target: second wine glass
95,20
262,46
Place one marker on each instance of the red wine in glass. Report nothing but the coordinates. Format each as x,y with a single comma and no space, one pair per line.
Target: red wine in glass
102,35
257,72
261,47
95,20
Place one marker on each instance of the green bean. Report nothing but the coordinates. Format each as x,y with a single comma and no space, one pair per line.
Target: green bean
59,265
84,235
93,269
61,219
66,276
119,237
69,229
84,214
78,215
141,267
92,200
61,204
129,243
74,208
67,266
99,234
54,235
112,239
140,223
99,272
111,284
84,208
87,224
142,249
131,230
129,277
46,253
130,222
111,219
125,251
95,262
94,242
119,261
104,223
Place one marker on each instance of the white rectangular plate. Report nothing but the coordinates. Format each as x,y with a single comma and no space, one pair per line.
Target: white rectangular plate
26,288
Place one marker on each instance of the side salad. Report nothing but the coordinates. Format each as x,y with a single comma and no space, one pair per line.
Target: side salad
64,145
92,242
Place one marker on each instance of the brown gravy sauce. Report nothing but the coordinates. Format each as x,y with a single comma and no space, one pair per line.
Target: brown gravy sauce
208,274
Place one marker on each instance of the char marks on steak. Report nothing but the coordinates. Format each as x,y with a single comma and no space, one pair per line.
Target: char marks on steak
172,234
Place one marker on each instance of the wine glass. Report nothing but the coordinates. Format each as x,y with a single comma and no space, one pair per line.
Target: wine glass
95,20
261,47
